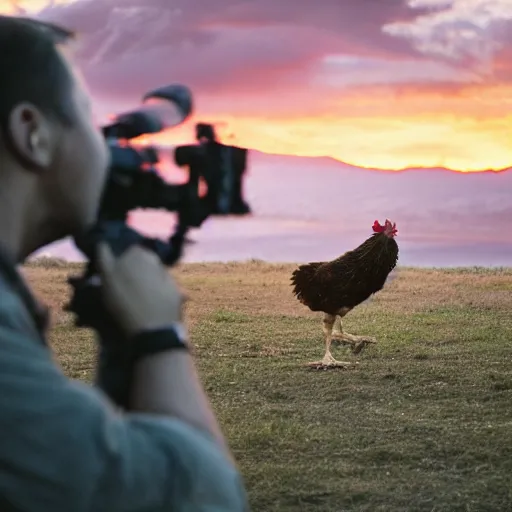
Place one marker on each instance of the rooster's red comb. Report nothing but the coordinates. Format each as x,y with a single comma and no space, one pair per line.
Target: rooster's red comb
377,227
389,228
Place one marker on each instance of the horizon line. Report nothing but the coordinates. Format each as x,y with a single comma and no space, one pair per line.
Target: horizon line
373,169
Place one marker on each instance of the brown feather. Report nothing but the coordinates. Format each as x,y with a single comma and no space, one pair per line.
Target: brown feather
348,280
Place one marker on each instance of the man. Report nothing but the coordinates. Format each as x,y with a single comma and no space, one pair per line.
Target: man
63,445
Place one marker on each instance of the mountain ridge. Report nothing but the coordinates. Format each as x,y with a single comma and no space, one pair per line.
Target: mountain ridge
333,161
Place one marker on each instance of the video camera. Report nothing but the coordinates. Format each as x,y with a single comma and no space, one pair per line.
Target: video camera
133,182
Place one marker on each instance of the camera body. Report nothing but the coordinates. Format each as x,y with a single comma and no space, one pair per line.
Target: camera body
133,182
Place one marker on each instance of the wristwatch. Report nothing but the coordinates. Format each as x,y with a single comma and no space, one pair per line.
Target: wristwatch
153,341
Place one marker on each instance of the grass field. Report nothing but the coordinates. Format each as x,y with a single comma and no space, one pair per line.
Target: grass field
424,423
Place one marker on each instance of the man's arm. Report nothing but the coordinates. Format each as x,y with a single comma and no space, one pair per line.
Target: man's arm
63,447
167,383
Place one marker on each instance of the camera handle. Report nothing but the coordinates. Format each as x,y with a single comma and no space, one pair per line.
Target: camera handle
114,366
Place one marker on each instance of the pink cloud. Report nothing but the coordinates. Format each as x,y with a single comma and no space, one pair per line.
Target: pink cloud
131,45
280,58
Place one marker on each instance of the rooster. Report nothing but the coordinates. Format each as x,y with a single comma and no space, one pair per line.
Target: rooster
336,287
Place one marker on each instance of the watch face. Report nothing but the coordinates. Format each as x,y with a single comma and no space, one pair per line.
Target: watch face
181,331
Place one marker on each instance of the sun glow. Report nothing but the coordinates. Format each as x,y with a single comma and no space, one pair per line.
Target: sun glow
459,143
28,6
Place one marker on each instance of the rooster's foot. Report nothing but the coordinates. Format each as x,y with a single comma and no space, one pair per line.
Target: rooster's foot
329,362
360,345
356,343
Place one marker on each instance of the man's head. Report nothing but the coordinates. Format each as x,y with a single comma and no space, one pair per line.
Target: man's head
53,160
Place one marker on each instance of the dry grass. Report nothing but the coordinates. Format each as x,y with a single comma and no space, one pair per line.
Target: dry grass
423,424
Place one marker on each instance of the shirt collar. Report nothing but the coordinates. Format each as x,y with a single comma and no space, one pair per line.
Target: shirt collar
38,311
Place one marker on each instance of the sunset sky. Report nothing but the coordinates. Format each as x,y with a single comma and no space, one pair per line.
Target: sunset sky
376,83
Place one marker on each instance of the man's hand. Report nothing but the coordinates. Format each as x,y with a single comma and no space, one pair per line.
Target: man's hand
138,290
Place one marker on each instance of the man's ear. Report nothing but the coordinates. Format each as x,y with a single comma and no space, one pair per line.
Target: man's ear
30,136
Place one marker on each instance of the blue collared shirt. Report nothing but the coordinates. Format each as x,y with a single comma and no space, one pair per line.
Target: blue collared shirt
65,448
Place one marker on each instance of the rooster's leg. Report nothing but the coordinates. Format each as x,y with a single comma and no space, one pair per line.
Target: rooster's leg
337,330
328,360
357,343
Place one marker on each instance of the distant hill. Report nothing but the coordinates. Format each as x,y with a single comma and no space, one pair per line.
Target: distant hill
262,157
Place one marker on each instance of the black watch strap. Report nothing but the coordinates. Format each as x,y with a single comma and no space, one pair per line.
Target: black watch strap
154,341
